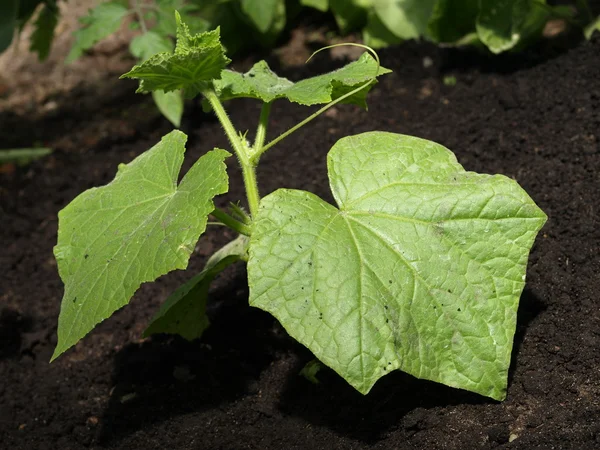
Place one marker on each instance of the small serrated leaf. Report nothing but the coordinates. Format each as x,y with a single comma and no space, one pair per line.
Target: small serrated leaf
133,230
184,312
101,22
197,60
262,83
420,269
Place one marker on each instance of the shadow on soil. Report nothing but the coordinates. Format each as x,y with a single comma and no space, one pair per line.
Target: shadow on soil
398,396
167,377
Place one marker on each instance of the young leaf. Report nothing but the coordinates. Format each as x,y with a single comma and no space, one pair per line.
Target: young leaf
197,60
143,47
133,230
149,44
43,34
102,21
420,268
263,84
170,105
591,28
184,312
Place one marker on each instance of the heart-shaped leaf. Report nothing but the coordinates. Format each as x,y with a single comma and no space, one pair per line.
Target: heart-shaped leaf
133,230
420,268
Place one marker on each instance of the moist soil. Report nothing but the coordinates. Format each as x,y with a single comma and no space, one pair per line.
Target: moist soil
534,117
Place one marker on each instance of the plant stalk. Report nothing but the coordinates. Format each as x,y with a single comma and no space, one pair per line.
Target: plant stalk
230,222
240,149
261,131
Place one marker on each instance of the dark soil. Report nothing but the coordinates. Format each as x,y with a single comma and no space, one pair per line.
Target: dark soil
534,118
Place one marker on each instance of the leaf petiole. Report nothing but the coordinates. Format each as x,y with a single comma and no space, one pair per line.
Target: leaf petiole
261,131
239,147
230,222
257,153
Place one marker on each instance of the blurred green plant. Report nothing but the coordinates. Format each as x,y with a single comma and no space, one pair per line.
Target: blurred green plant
14,14
498,25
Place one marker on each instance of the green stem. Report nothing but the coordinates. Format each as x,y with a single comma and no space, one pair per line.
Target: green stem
282,136
230,222
261,131
240,149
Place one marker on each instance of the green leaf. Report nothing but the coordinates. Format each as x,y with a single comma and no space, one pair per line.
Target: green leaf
589,29
420,268
197,60
349,14
321,5
263,84
184,312
376,34
23,156
260,12
133,230
101,22
149,44
43,34
407,19
451,20
170,104
501,25
8,21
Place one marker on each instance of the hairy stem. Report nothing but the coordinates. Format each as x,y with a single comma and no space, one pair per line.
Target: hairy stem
256,154
261,131
230,222
240,149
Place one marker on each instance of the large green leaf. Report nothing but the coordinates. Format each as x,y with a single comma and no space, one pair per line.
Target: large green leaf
133,230
184,312
376,34
349,14
589,29
43,34
197,60
407,19
503,24
321,5
261,12
101,21
420,268
263,84
451,20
